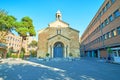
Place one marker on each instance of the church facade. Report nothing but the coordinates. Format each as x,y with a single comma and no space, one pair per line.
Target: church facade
58,40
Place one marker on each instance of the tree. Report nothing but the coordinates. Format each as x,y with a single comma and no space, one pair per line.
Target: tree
33,44
7,23
25,27
22,52
33,53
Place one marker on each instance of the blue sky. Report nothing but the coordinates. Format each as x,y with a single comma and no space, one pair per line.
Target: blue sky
78,13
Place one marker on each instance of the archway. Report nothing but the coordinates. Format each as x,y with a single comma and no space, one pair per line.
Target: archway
58,50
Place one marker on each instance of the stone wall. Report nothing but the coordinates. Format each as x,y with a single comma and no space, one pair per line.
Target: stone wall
48,37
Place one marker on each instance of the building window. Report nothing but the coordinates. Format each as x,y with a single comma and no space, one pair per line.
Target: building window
100,38
99,16
109,35
101,25
104,9
114,33
59,31
117,13
110,18
118,30
101,13
115,53
105,36
106,22
107,5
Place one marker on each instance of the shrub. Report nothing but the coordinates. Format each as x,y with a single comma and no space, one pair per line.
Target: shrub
13,55
8,55
70,54
47,54
22,55
33,53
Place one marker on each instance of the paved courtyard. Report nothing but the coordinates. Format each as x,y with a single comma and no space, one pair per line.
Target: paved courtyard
35,69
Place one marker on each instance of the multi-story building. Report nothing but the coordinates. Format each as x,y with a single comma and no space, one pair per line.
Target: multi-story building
103,32
15,42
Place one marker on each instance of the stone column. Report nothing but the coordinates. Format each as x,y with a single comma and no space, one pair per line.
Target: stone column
68,51
49,50
52,51
65,52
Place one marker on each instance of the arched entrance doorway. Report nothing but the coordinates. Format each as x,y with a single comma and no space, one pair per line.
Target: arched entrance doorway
58,50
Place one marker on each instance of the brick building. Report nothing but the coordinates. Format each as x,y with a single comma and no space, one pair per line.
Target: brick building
103,32
58,39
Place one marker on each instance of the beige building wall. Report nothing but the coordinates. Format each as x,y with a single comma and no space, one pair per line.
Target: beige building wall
15,42
58,31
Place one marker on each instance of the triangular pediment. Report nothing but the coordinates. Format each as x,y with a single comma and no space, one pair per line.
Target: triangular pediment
58,23
58,36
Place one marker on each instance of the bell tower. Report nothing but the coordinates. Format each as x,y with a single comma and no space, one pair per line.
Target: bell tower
58,15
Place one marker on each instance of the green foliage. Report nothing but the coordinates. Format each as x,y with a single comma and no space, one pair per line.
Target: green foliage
33,53
7,23
33,43
70,54
32,31
2,12
8,55
39,57
47,54
22,55
22,31
25,27
10,51
109,50
13,55
23,50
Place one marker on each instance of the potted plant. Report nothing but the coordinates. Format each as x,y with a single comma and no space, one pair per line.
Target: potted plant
70,56
47,56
